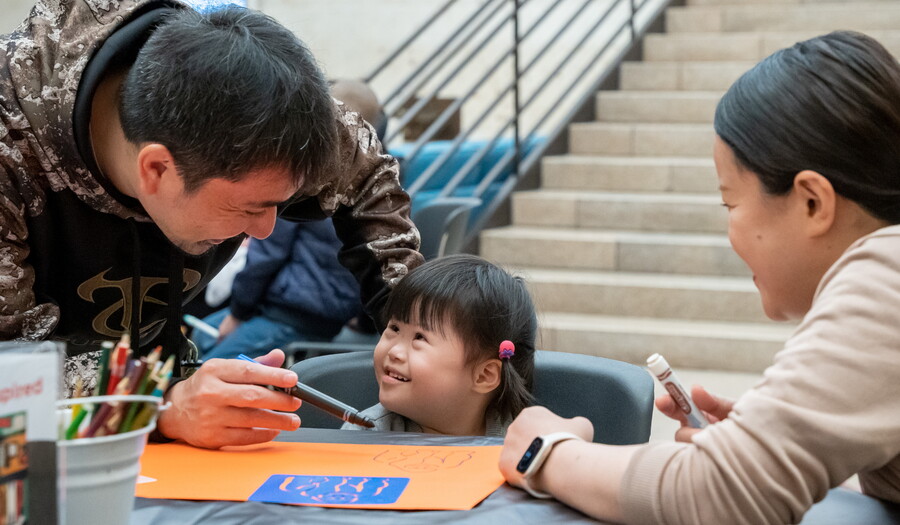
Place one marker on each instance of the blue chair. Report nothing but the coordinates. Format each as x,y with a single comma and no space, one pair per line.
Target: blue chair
616,397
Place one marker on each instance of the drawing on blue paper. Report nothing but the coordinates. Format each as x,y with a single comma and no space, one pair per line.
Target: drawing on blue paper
330,490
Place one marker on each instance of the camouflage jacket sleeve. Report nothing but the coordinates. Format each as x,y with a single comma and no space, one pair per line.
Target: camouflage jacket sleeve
20,315
370,212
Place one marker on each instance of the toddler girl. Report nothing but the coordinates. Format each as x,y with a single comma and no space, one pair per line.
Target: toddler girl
457,356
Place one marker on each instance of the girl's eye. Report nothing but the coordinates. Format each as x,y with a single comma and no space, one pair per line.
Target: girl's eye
419,336
393,328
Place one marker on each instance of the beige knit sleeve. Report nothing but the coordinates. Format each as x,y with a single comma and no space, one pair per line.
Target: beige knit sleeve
827,408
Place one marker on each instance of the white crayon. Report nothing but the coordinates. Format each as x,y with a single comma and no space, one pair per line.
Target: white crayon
660,368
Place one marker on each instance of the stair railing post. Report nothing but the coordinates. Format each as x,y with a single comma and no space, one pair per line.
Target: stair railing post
516,104
631,20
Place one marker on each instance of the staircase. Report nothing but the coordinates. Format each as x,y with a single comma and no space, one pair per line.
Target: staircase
625,244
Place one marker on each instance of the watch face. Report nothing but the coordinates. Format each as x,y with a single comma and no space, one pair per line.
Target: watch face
529,455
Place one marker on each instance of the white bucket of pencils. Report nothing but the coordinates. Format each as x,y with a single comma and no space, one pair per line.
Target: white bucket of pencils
98,474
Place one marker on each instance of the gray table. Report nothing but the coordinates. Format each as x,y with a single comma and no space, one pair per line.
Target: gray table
505,505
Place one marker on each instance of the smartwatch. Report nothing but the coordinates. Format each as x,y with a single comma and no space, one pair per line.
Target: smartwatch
535,456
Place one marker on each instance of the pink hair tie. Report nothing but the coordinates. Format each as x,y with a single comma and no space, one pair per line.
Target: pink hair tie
507,349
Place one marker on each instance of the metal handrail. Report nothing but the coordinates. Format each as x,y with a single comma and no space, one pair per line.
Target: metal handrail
441,161
422,77
450,110
408,42
412,112
535,155
531,142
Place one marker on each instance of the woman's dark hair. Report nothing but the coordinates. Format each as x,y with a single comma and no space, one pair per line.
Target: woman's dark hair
485,305
229,91
830,104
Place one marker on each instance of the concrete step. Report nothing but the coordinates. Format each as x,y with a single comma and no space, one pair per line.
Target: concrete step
641,139
657,106
647,212
744,347
630,174
692,47
783,17
607,250
686,76
731,299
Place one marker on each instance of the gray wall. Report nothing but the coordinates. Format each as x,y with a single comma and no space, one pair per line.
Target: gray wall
12,14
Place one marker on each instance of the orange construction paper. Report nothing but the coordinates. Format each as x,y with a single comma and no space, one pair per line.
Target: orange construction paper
440,478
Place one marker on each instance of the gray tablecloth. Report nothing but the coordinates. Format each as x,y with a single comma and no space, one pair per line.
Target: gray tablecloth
505,506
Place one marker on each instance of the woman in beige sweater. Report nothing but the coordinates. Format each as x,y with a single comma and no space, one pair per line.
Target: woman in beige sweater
808,160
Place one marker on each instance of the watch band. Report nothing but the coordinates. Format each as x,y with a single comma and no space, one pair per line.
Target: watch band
534,457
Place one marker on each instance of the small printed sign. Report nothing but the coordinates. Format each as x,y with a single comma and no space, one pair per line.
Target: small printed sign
29,375
330,490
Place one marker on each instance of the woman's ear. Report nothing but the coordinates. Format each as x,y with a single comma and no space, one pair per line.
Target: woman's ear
817,197
487,375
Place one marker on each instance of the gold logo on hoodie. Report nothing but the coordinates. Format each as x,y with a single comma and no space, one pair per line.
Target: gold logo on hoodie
100,323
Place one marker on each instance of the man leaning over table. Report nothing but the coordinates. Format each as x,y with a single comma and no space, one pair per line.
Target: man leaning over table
141,143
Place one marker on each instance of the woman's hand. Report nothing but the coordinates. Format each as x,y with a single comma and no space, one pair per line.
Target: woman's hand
581,474
715,409
531,423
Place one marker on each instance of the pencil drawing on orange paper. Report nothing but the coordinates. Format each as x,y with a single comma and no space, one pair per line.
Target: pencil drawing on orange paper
423,459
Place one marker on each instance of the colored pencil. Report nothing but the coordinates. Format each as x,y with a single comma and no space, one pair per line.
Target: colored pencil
117,363
120,375
102,416
100,389
142,388
78,393
103,368
146,412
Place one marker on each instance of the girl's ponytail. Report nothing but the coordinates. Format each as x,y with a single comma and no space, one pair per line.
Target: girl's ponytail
514,395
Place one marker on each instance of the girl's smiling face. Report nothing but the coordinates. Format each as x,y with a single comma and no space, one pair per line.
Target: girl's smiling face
423,374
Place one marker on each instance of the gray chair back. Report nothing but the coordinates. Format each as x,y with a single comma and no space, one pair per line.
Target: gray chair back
616,397
349,377
442,225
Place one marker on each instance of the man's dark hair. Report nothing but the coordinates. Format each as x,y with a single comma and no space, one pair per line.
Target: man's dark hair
830,104
229,91
484,306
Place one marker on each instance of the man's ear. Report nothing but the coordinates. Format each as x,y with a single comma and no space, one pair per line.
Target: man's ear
487,375
155,168
816,196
